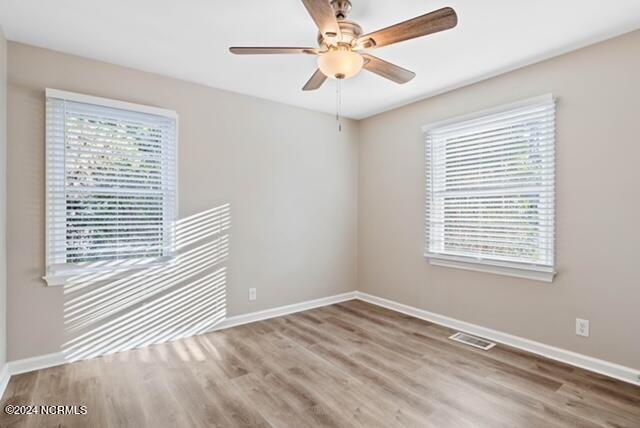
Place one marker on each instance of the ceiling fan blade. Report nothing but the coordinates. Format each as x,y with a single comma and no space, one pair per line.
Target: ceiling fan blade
439,20
387,70
324,17
271,51
315,82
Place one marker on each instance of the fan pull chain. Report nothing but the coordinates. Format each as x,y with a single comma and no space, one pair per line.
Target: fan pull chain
339,104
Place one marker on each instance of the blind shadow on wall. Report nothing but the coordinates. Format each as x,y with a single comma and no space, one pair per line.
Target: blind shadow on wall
112,312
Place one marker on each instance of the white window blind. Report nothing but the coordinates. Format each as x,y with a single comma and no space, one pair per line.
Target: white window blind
490,187
111,183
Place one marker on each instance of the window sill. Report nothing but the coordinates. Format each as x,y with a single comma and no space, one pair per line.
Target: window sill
536,273
95,274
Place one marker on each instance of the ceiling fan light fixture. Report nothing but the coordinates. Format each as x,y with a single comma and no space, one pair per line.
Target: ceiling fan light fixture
343,50
340,63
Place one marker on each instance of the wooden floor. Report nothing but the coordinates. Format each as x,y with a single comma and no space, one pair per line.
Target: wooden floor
351,364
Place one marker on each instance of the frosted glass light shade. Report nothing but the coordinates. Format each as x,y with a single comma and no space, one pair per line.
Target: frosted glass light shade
340,63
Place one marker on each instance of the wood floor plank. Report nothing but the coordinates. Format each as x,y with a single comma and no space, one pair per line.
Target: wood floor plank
346,365
388,387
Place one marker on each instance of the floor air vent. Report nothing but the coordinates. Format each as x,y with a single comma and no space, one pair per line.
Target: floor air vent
473,341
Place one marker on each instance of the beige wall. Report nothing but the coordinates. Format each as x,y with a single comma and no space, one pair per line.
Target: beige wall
293,183
598,174
3,202
290,177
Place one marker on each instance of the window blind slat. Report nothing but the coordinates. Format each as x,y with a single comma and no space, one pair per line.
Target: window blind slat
491,120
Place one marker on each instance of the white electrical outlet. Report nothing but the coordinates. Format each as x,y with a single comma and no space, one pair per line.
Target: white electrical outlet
582,327
252,294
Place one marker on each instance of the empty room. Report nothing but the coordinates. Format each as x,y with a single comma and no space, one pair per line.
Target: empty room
305,213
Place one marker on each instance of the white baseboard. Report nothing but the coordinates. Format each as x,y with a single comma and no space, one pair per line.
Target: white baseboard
4,378
606,368
589,363
283,310
36,363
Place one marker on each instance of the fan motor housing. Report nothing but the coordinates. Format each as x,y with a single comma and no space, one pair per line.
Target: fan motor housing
350,30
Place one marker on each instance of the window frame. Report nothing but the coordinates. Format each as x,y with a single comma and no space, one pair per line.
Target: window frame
117,268
473,263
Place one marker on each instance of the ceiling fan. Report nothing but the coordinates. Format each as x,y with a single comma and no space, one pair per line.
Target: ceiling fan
343,49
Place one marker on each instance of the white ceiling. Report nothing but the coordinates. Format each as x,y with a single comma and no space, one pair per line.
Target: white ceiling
189,39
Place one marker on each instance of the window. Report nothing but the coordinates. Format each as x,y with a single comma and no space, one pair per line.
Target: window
111,185
490,190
